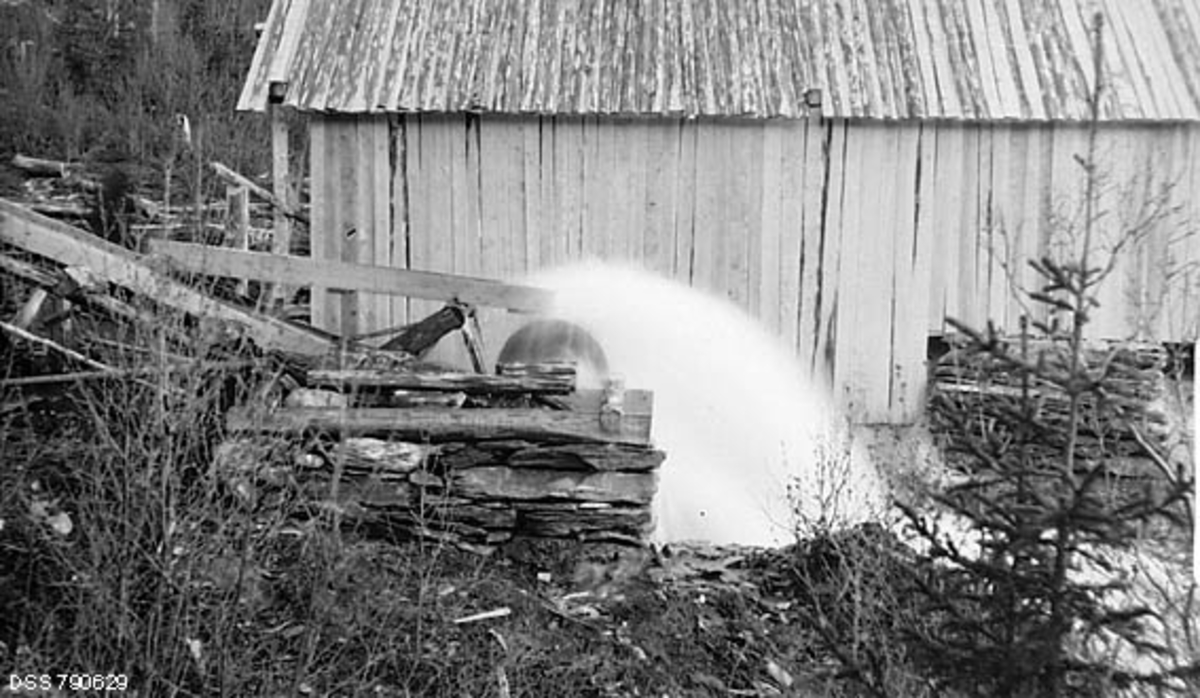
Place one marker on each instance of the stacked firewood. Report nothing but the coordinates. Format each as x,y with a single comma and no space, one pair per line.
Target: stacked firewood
473,459
1122,405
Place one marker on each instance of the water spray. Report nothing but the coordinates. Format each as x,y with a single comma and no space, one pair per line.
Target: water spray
745,432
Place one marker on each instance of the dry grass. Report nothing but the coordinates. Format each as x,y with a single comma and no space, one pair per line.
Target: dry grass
122,551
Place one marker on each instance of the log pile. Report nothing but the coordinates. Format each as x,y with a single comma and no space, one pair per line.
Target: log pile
975,391
471,459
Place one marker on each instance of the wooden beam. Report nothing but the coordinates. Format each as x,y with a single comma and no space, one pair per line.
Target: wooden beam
281,178
73,247
471,383
29,272
347,276
473,341
39,167
238,180
437,425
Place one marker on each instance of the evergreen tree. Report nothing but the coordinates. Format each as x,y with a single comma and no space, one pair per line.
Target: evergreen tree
1033,460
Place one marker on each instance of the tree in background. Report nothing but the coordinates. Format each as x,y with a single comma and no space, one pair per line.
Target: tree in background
1033,465
104,81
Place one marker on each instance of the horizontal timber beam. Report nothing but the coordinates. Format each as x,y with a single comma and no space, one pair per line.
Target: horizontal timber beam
471,383
347,276
441,424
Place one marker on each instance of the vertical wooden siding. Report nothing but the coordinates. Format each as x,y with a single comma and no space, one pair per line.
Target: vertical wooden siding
851,240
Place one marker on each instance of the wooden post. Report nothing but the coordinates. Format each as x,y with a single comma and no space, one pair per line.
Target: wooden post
281,180
473,340
238,226
612,408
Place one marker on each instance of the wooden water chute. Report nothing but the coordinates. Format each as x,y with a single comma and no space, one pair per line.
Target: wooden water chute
468,458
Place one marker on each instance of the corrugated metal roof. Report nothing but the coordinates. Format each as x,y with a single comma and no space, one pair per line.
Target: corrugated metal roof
889,59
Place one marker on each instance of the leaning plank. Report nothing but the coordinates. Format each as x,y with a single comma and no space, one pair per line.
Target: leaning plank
470,383
238,180
29,311
73,247
438,425
347,276
29,272
69,353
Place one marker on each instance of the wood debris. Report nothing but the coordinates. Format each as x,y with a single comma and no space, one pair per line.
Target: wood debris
973,381
484,615
68,246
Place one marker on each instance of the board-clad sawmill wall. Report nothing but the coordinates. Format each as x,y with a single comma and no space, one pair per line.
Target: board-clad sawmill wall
853,240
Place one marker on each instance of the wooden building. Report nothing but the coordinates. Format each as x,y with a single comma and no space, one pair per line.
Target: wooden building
849,171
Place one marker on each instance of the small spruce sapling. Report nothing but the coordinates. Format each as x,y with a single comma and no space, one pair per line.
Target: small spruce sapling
1008,618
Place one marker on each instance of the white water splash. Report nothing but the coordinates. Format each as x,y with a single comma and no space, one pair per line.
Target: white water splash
741,427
